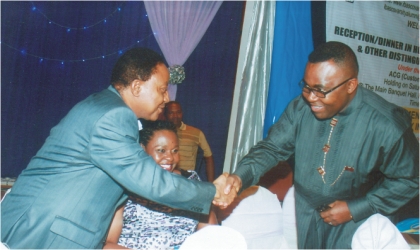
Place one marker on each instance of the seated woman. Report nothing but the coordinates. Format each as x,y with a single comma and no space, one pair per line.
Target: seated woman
143,224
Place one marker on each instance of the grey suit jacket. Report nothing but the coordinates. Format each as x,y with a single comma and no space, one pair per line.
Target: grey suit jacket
67,195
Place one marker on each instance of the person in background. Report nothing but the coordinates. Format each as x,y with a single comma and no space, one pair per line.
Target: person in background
143,224
67,196
190,138
356,156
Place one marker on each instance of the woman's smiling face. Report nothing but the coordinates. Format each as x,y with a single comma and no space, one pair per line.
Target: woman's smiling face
163,147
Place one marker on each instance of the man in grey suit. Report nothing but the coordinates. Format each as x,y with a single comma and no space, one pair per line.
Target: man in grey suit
356,155
67,195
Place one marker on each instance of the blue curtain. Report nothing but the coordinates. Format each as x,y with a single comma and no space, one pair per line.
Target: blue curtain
292,45
55,54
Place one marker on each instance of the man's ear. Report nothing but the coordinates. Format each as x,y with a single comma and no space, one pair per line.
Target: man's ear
136,87
144,148
352,86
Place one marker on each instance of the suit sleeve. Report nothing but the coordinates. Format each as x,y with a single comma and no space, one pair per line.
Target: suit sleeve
115,149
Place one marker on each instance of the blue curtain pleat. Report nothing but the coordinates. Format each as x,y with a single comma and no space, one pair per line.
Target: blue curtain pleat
292,45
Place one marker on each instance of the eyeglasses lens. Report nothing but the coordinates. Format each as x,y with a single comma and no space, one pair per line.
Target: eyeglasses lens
308,90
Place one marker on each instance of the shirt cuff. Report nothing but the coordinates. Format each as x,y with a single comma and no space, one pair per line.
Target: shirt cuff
210,192
360,208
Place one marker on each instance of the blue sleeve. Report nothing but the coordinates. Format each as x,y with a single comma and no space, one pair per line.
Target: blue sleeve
115,149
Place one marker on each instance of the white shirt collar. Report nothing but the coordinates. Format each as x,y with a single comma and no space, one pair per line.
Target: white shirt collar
140,125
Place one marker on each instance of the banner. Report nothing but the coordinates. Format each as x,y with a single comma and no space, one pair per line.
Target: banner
385,38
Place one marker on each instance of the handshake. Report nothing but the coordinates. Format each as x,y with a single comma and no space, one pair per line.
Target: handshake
227,188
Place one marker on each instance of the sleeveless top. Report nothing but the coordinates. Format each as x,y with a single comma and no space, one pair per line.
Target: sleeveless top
149,225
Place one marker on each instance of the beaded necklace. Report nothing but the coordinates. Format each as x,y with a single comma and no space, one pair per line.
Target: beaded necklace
322,169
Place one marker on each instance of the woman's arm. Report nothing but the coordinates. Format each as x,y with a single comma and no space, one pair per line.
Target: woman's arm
211,221
115,231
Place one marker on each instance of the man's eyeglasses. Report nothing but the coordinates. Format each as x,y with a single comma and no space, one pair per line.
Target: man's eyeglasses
319,93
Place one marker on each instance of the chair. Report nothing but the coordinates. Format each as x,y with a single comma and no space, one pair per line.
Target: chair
258,217
214,237
378,232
